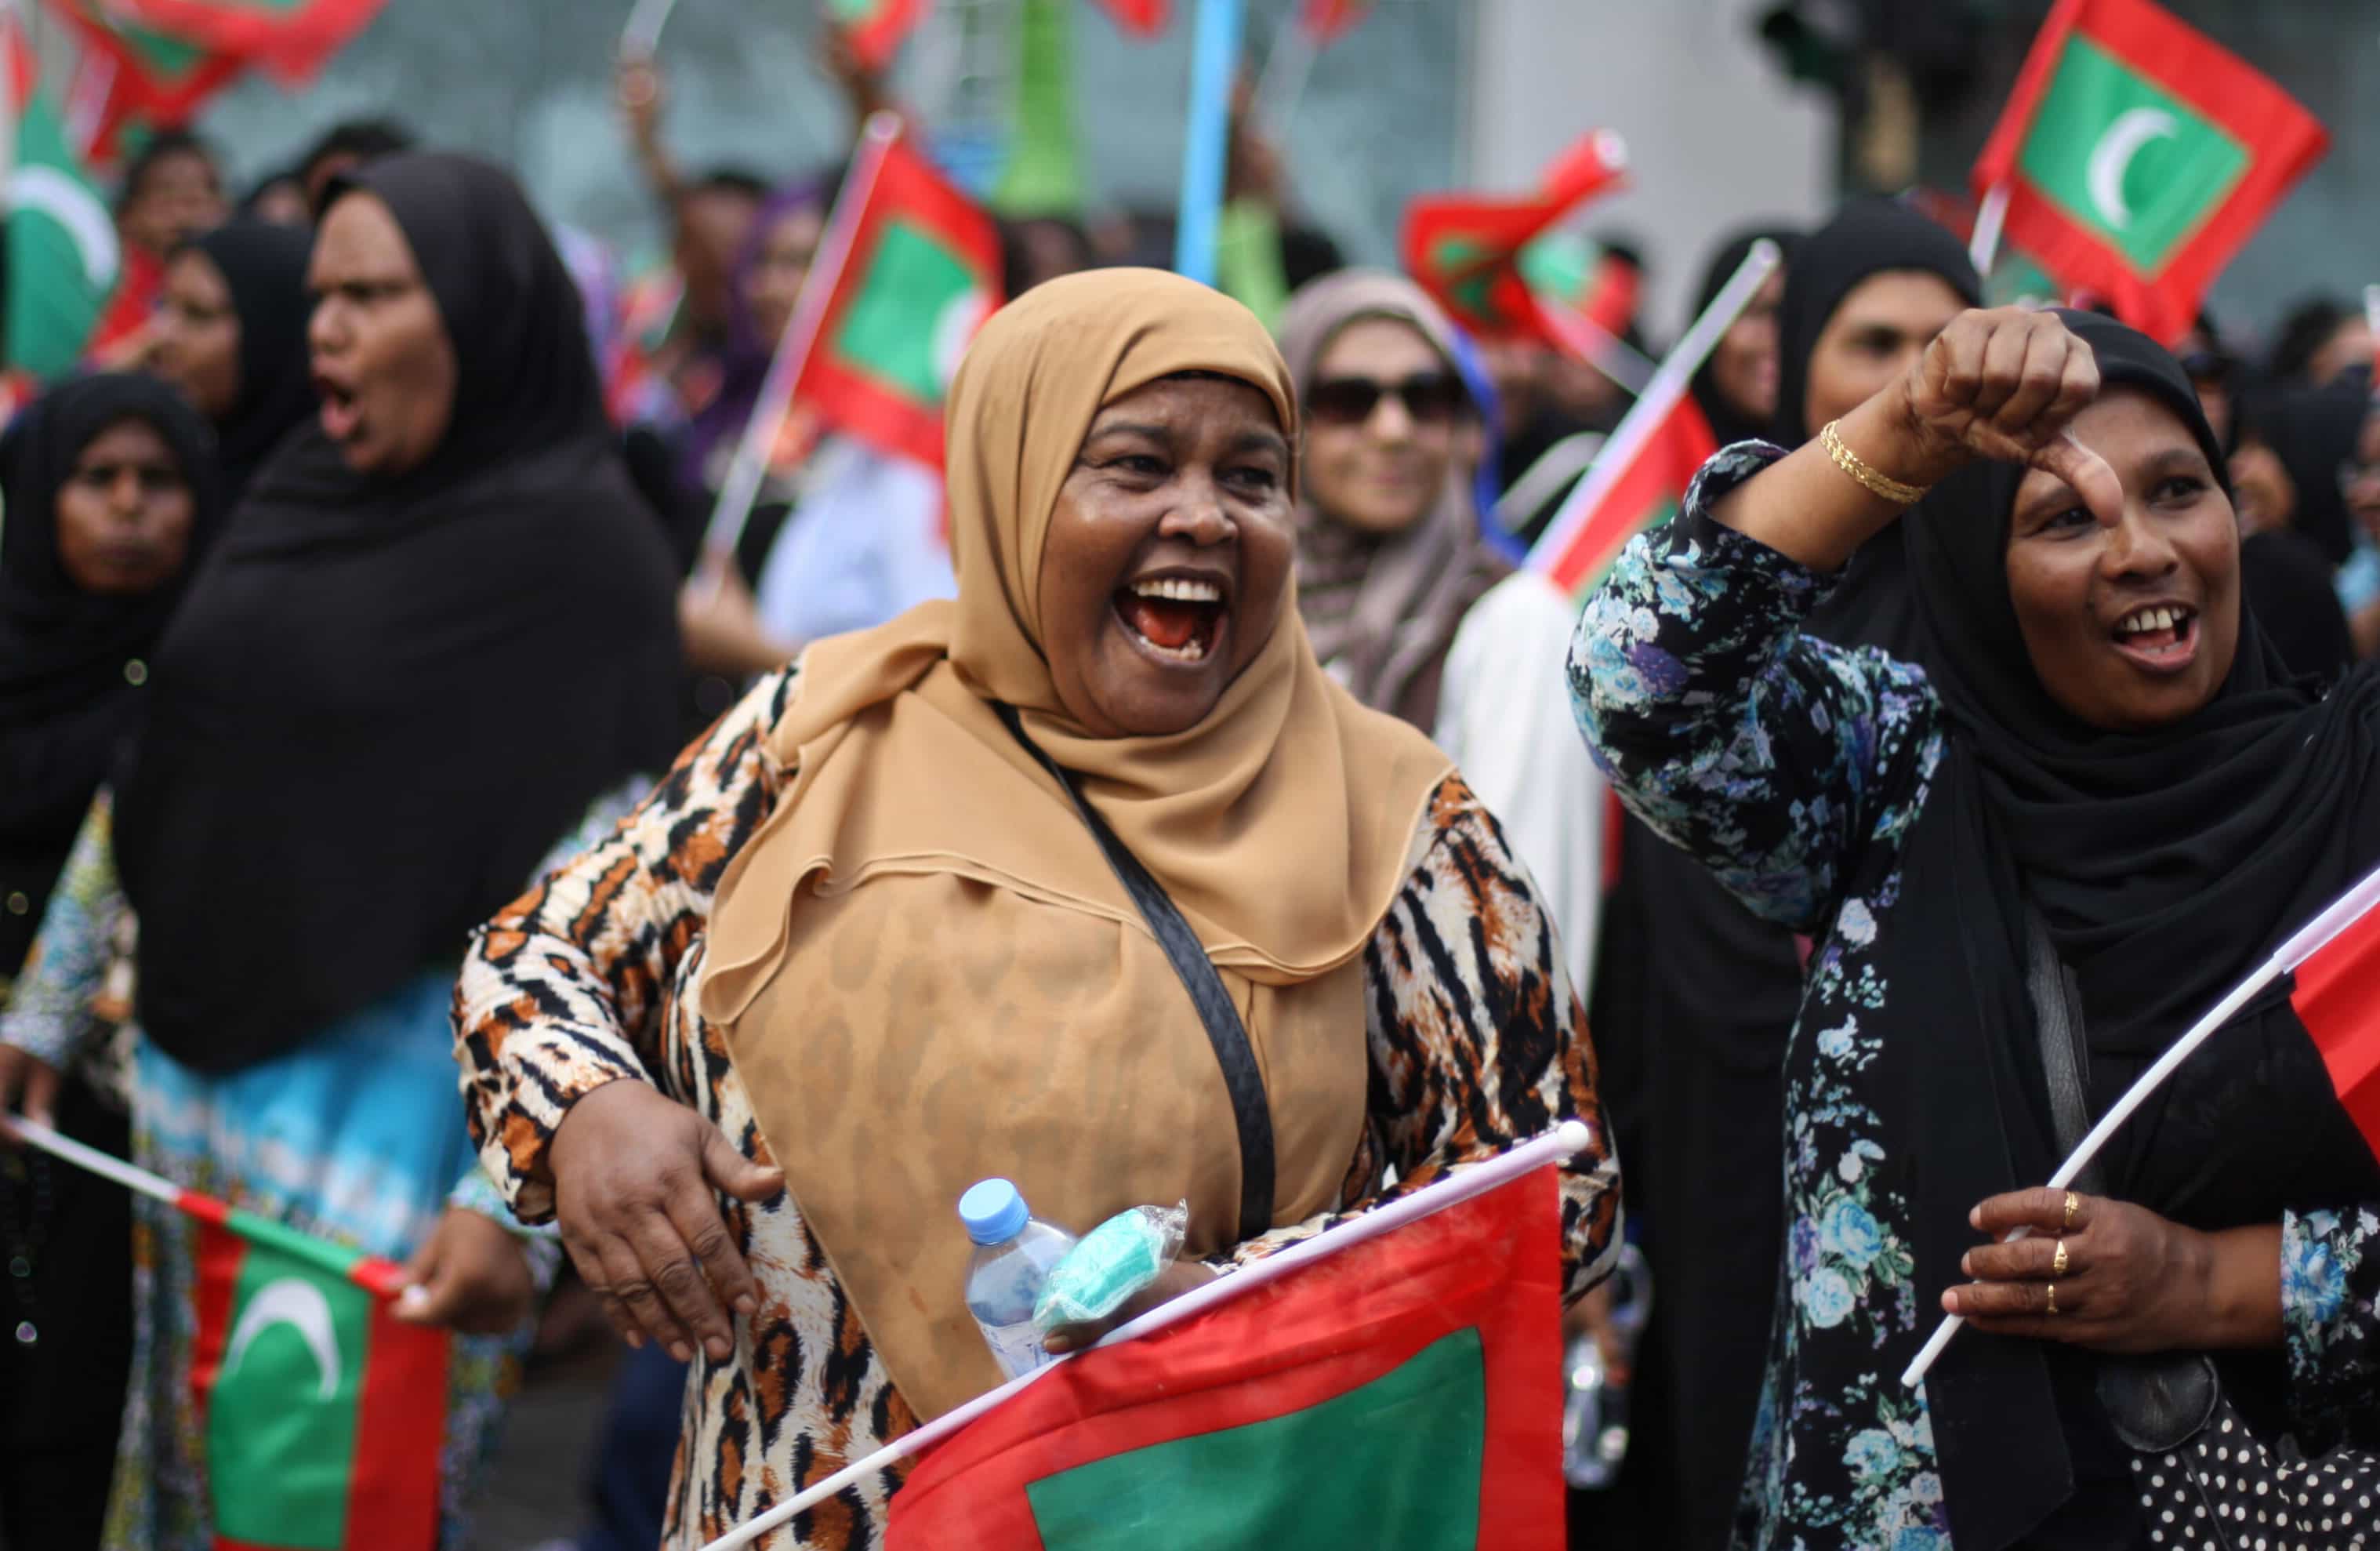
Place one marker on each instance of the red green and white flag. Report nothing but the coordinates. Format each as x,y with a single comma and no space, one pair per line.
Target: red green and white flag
876,29
1642,487
1584,279
922,275
1466,250
325,1415
1142,18
63,253
1325,21
171,55
1403,1391
2139,155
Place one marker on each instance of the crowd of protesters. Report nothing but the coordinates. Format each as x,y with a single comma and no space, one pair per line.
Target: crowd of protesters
373,716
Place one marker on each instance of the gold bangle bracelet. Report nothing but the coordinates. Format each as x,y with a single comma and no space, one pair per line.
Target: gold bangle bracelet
1857,468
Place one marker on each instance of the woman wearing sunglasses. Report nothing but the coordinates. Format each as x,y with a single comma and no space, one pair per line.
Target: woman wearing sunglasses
1407,604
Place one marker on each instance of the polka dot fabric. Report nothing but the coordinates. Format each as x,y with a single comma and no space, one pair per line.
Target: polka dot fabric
2226,1491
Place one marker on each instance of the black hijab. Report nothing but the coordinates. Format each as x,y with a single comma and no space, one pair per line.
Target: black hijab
1728,423
2166,865
389,695
263,266
1870,605
71,661
2313,431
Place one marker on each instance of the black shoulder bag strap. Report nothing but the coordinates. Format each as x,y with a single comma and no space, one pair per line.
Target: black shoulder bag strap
1208,993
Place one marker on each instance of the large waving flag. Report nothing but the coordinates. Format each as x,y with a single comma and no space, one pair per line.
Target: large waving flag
169,56
325,1415
2332,965
1392,1383
2136,155
922,275
61,249
1466,250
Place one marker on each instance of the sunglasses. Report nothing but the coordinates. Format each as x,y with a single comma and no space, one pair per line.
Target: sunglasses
1432,398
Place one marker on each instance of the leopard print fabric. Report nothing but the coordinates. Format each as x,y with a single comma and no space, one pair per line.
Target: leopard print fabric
1476,1040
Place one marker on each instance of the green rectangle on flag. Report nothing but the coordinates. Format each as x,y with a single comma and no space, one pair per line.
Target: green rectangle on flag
913,314
281,1422
2126,158
1392,1465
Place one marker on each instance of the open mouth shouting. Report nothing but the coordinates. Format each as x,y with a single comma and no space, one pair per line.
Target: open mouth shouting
2159,637
1175,617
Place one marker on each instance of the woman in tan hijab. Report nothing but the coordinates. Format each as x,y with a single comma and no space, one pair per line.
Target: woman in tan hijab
859,949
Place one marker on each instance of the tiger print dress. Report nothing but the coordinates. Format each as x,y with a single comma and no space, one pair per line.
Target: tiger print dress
1476,1040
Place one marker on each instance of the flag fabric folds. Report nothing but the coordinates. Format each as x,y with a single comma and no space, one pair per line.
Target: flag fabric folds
1466,250
169,56
1401,1395
325,1415
923,274
63,253
1649,489
2138,156
2334,991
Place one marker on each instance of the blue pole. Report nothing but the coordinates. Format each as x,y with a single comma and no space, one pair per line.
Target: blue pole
1214,56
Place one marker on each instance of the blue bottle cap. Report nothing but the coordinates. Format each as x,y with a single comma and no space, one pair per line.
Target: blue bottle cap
994,1212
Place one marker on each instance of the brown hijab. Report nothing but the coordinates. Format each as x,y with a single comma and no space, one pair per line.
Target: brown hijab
923,966
1382,609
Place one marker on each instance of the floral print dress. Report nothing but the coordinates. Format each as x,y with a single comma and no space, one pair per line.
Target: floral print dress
1794,770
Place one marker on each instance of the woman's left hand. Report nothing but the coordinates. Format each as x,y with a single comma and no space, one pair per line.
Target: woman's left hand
1172,1283
2134,1282
472,1275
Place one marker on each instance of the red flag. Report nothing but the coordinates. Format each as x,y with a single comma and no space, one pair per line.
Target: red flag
922,275
1142,19
1326,21
876,29
1404,1391
2337,997
2138,155
1466,252
1645,490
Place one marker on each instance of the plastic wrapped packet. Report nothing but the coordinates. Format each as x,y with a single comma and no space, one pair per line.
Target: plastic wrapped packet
1114,1261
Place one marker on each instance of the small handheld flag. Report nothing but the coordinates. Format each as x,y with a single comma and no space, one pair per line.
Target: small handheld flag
2332,963
1642,473
1398,1371
2135,156
325,1415
1466,250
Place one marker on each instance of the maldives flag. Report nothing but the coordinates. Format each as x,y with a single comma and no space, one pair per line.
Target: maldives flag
922,275
1325,21
324,1414
2139,155
1639,479
62,250
876,28
1466,250
1567,271
2336,991
1402,1394
1142,19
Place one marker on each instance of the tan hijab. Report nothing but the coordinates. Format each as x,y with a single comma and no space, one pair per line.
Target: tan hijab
925,968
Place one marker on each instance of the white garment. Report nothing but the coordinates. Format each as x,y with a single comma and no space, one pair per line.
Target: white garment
1504,713
864,542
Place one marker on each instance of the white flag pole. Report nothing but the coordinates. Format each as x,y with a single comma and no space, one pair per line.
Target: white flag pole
725,529
1986,246
1564,1140
1598,347
1671,381
68,1149
642,36
2308,940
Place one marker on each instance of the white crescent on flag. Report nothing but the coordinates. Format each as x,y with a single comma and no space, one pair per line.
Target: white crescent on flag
2112,157
73,207
300,1305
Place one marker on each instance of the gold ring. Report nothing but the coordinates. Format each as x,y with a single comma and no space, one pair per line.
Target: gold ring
2053,1298
2074,1205
2058,1263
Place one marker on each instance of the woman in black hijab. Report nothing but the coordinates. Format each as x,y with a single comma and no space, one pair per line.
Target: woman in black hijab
1736,387
231,334
2030,864
111,504
439,625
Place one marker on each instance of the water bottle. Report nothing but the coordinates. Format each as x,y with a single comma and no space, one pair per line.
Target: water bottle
1013,1255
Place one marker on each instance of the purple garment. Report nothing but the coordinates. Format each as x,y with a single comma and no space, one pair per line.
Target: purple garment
745,361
